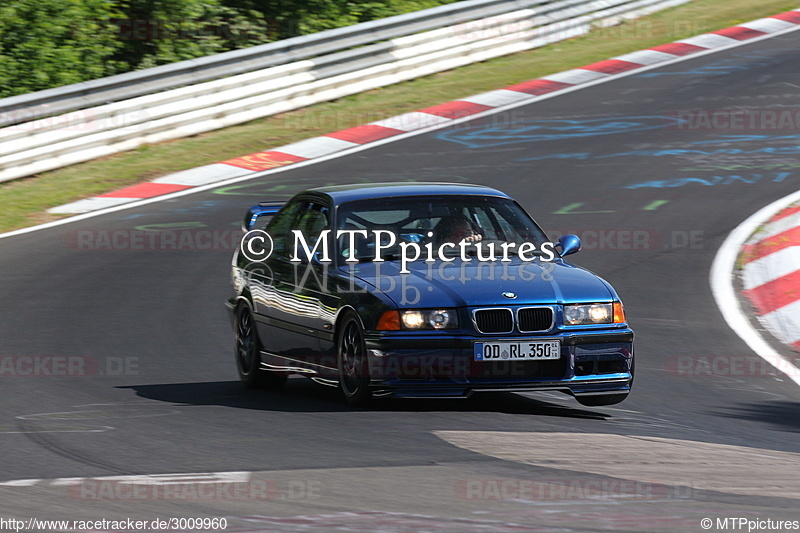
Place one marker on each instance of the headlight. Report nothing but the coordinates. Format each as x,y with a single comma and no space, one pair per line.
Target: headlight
419,319
577,315
429,319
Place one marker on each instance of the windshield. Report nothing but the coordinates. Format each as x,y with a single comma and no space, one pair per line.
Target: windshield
468,222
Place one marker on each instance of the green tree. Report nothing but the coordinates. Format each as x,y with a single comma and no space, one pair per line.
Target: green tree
157,32
301,17
47,43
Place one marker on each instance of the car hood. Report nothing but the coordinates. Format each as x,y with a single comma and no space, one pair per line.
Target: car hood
472,283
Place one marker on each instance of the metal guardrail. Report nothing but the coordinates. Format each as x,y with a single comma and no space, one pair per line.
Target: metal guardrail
40,104
234,87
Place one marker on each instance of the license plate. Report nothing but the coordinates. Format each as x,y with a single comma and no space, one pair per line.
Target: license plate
526,350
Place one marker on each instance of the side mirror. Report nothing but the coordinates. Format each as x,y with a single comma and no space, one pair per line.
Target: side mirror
260,211
569,244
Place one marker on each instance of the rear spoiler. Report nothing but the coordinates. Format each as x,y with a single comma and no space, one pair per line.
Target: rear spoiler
263,209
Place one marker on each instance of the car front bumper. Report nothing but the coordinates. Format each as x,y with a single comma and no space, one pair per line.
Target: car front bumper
591,362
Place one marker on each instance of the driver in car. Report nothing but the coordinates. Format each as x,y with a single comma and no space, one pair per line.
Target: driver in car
455,229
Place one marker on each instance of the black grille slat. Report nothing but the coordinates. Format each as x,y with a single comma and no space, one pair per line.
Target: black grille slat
494,320
502,320
535,319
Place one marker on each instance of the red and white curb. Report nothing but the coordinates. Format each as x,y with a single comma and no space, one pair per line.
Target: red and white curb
435,116
761,240
771,275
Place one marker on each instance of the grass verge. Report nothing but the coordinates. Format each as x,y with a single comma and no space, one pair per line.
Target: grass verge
25,201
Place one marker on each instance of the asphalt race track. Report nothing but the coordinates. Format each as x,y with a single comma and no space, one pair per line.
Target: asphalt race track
119,361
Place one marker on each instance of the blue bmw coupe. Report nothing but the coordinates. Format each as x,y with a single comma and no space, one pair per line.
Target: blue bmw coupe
421,290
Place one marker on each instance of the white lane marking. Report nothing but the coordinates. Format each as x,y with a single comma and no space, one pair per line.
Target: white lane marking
89,204
237,476
92,429
388,123
497,98
65,481
20,483
203,175
315,147
646,57
776,228
710,40
175,479
784,322
94,414
721,280
771,267
576,76
767,25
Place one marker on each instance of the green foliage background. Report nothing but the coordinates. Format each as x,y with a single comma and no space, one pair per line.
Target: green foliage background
48,43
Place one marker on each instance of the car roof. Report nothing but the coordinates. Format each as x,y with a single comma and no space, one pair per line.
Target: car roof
347,193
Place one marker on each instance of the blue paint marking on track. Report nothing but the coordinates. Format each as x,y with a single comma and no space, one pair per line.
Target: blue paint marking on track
720,68
716,69
551,130
708,182
750,138
775,150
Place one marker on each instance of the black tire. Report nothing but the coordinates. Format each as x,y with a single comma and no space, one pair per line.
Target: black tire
600,399
353,362
247,350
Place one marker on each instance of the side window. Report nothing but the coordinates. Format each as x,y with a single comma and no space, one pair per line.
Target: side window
304,215
314,219
280,226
